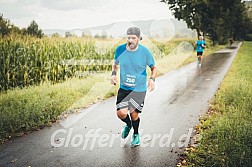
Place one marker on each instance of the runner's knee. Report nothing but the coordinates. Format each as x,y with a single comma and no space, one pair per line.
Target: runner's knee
134,115
121,114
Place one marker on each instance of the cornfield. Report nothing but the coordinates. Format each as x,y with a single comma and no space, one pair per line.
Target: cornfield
28,61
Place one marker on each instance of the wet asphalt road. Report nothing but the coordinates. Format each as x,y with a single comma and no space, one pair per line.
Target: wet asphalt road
92,138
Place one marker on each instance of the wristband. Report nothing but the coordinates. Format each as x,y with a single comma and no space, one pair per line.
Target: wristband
113,73
152,78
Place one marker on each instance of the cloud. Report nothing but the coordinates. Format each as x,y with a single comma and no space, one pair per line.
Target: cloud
70,4
18,9
69,14
8,1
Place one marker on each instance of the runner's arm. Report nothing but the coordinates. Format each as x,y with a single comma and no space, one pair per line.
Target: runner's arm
153,72
151,82
113,79
204,44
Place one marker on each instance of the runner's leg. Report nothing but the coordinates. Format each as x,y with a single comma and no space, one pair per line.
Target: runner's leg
135,121
123,115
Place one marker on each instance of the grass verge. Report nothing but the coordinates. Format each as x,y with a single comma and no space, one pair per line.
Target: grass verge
30,108
226,130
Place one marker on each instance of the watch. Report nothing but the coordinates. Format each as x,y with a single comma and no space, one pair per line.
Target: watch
152,78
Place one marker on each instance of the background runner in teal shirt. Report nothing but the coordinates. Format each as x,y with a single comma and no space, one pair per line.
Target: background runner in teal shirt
200,46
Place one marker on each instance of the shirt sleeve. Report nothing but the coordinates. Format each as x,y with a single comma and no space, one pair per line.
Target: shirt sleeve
150,59
116,55
119,50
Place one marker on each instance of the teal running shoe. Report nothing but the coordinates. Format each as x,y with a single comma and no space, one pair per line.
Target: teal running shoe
125,131
135,140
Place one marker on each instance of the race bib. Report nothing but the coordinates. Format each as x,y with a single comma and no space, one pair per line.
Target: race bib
130,80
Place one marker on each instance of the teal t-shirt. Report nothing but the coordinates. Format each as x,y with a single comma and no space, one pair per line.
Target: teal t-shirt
133,75
199,44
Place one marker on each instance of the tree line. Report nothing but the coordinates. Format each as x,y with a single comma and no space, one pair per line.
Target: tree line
217,19
6,28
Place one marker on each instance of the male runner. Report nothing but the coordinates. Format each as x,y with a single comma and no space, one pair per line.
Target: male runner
133,59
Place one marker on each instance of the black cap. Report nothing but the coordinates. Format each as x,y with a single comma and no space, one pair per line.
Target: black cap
134,31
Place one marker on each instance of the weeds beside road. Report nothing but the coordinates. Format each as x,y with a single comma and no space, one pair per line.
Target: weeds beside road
33,107
227,129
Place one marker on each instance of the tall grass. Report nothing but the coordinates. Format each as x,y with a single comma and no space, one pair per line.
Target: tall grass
28,61
39,61
227,134
33,107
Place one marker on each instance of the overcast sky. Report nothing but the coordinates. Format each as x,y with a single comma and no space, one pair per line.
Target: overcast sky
71,14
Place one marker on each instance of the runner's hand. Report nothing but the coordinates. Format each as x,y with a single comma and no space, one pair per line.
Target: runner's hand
113,80
151,85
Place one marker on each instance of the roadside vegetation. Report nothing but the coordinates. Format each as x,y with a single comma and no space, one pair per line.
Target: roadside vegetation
44,79
226,130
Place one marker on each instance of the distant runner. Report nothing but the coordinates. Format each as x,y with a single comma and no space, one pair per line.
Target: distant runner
231,41
200,46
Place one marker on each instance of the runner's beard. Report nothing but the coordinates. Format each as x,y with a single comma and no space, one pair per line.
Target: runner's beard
132,46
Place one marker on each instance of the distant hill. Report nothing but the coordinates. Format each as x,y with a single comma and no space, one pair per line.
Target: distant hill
161,28
52,31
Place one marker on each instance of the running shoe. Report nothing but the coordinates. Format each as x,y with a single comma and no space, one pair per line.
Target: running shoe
135,140
125,131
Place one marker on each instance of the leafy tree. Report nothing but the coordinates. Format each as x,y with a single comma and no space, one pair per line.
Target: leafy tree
68,34
34,30
56,35
219,19
104,34
5,26
97,35
14,29
23,31
86,34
